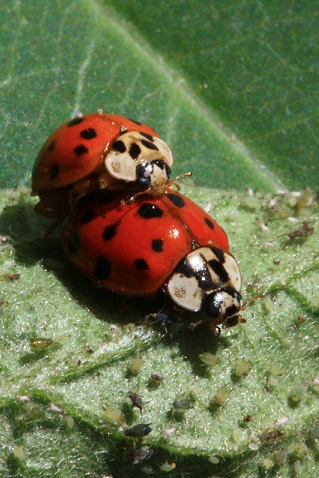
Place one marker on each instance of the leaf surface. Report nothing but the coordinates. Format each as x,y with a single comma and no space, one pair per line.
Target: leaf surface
85,350
232,89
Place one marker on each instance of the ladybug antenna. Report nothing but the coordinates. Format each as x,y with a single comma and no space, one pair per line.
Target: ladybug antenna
259,296
242,319
177,178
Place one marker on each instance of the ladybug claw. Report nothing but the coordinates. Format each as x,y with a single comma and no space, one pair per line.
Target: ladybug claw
126,202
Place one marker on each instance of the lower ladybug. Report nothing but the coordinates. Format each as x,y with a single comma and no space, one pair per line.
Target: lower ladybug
166,243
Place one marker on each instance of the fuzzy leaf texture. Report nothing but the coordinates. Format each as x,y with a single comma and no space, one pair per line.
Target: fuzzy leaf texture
231,87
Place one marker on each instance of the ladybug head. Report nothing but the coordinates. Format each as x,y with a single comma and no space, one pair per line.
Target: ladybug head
143,171
224,306
153,174
208,279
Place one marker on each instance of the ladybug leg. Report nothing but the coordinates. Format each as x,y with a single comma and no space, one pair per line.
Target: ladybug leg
85,186
194,325
213,327
52,227
130,199
80,189
106,181
54,205
53,224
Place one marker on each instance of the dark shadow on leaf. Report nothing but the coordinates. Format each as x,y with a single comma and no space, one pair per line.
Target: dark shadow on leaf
194,342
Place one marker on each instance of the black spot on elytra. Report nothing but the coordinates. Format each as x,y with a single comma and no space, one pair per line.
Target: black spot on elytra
119,146
74,244
51,146
209,223
141,264
149,137
110,231
102,268
54,171
177,200
88,133
87,217
75,121
149,145
134,151
149,211
80,150
157,245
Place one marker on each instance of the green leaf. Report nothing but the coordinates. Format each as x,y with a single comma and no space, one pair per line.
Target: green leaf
85,350
231,87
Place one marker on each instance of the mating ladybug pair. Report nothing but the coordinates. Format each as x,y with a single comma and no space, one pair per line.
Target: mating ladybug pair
86,172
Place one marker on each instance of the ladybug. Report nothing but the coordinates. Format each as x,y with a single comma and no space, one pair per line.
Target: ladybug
98,151
166,243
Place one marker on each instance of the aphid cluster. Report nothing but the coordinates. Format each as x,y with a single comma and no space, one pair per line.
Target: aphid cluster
127,229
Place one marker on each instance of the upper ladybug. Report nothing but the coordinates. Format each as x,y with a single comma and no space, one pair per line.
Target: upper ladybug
98,151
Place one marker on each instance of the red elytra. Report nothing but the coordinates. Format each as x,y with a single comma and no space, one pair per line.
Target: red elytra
71,161
132,249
